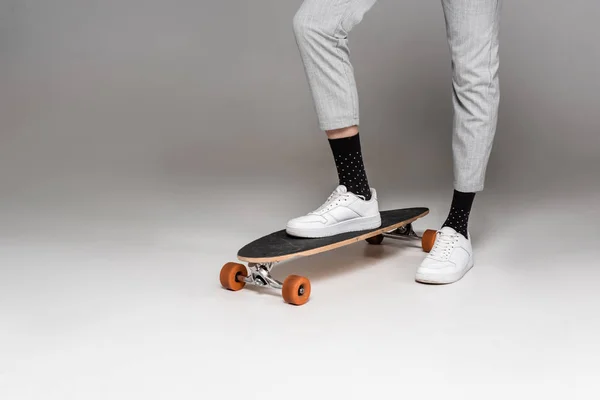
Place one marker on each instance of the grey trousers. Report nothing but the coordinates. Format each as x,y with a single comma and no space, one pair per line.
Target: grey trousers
321,29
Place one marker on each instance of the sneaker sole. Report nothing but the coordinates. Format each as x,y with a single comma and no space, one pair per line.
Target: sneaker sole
439,279
353,225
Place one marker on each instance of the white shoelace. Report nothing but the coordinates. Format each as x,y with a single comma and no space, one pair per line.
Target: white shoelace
333,197
443,246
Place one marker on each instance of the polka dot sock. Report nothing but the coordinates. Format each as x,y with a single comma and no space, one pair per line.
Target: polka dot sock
350,166
458,218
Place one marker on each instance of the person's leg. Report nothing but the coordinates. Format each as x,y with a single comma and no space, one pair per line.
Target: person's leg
473,36
321,29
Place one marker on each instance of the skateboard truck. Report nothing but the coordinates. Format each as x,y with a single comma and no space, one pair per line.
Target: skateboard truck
294,289
260,275
404,232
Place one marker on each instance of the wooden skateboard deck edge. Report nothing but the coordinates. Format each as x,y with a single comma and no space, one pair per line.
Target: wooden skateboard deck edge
333,246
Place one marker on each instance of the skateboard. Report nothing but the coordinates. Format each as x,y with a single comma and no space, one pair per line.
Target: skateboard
264,253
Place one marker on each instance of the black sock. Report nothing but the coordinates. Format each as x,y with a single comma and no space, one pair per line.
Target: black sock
458,218
349,164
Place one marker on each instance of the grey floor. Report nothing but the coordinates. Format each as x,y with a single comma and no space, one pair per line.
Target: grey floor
116,295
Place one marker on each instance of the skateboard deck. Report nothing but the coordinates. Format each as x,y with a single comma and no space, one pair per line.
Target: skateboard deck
279,246
263,253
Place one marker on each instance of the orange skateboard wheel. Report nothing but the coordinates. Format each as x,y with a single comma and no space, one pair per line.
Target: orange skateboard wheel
428,240
375,239
229,275
296,290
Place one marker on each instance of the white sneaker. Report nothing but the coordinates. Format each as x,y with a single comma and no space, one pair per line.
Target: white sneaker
449,260
342,212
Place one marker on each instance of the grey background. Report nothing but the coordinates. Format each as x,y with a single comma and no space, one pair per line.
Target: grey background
143,142
109,103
